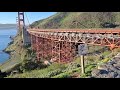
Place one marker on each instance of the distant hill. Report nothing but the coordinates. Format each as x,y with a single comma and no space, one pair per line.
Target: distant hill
5,26
80,20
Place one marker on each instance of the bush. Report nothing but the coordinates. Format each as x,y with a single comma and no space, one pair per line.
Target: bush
89,68
55,66
3,74
28,65
72,66
63,75
105,60
91,58
54,73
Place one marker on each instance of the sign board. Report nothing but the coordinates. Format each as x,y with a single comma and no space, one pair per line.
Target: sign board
82,49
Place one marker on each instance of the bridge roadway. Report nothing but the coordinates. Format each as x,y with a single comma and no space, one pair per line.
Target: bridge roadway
61,44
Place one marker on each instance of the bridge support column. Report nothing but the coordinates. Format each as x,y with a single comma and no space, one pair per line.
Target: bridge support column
40,48
43,48
47,49
63,51
56,51
33,42
68,51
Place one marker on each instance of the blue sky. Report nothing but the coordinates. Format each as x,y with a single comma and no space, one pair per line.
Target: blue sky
10,17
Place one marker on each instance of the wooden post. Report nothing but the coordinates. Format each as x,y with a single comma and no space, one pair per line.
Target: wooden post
82,64
113,52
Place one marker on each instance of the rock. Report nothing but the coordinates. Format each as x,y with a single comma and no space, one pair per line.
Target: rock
14,72
47,63
53,60
95,72
116,65
117,71
89,77
118,76
103,76
111,63
109,70
102,67
112,75
103,72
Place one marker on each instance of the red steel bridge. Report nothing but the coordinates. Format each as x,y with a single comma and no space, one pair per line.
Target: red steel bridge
60,45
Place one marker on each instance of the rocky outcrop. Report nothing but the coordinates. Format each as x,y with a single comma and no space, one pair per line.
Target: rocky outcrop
109,70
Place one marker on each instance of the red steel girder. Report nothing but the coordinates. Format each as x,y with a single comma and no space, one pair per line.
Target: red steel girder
68,51
43,49
55,51
33,42
61,47
39,48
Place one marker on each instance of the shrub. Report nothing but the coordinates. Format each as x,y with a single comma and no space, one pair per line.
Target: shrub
72,66
54,73
63,75
89,67
55,66
91,58
28,65
41,65
2,74
105,60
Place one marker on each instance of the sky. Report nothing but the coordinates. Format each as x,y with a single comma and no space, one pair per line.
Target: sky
10,17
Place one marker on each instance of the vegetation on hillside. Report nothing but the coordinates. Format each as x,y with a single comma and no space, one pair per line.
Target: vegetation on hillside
23,59
80,20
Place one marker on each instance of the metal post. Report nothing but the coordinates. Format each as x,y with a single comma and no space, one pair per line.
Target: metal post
82,64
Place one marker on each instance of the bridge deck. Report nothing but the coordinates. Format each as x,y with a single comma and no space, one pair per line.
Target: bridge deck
117,30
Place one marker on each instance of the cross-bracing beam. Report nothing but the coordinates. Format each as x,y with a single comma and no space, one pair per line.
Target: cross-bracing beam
61,43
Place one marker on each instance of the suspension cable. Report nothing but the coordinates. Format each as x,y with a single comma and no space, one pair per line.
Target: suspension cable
27,19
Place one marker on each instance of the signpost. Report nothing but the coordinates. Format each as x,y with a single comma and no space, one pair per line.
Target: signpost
82,50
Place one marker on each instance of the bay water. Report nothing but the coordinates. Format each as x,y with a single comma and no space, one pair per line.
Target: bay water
4,41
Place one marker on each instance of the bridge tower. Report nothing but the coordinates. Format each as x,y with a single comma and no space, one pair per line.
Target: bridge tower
23,28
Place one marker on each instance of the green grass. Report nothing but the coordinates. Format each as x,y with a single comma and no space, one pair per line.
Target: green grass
83,19
42,73
57,70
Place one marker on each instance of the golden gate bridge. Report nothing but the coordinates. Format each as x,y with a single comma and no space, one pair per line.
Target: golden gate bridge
60,45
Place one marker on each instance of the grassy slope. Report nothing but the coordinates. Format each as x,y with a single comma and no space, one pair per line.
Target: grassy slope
84,20
67,20
68,70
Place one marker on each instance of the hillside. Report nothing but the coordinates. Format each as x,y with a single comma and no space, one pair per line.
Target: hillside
80,20
71,70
